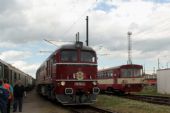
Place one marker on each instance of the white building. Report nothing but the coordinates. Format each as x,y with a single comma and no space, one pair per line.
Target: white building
163,81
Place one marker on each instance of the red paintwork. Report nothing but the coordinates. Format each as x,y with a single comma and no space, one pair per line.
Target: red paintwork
53,74
116,75
150,81
67,73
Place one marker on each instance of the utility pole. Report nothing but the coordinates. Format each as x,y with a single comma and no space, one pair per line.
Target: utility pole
77,37
158,64
87,31
144,69
129,48
153,70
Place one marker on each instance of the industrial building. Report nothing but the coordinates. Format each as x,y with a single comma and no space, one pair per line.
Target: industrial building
163,79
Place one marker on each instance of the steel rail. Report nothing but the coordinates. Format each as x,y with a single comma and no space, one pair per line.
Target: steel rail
89,109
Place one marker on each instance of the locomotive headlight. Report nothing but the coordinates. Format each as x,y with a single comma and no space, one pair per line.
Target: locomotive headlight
63,83
94,83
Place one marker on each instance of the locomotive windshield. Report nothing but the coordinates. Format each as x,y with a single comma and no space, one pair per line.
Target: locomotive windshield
68,56
87,56
131,72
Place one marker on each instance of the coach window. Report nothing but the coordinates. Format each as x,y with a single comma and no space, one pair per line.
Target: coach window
68,56
1,75
87,56
15,77
19,77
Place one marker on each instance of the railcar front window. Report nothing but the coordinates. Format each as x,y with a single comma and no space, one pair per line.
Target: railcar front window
131,72
87,56
68,56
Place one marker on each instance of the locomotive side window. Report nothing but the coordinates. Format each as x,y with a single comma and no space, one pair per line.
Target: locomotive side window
87,56
68,56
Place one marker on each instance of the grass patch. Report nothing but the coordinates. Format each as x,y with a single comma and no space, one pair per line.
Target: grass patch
151,90
129,106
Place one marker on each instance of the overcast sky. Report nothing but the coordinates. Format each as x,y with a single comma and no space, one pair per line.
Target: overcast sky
25,23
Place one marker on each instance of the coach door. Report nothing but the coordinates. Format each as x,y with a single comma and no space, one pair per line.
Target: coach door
6,73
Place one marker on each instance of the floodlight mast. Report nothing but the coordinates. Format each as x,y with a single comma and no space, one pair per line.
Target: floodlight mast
129,48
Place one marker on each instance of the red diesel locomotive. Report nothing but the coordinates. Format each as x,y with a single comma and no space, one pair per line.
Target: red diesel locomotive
69,75
121,79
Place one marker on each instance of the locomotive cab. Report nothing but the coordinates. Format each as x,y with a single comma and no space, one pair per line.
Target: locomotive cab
73,75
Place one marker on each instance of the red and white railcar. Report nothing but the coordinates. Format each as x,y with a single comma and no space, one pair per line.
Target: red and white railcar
69,75
124,78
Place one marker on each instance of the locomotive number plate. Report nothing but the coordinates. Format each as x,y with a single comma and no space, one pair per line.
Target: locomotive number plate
79,83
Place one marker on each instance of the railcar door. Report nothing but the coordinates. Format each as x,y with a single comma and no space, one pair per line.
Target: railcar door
115,74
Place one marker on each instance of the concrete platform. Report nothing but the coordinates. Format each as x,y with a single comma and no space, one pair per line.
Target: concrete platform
33,103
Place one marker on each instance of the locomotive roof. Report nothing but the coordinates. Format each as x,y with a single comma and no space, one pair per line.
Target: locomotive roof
72,46
122,66
68,46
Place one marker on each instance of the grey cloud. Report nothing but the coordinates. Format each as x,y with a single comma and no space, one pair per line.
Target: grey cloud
152,45
7,5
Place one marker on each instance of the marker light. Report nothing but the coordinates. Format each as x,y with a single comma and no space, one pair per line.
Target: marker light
63,83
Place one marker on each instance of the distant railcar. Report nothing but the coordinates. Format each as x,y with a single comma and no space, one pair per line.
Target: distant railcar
12,74
121,79
69,75
150,80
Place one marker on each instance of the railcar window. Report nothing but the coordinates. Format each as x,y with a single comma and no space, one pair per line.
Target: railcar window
68,56
131,72
87,56
111,74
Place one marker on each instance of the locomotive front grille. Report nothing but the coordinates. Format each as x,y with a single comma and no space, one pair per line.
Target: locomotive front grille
96,90
68,91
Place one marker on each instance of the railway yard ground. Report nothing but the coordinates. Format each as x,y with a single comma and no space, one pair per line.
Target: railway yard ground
122,105
34,103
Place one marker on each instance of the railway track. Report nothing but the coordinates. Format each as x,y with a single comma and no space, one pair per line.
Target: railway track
89,109
151,99
145,98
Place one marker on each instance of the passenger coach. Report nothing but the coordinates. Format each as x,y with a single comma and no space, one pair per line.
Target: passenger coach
69,75
121,79
12,74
